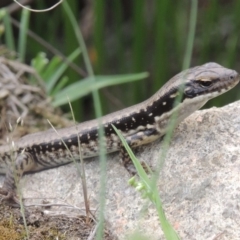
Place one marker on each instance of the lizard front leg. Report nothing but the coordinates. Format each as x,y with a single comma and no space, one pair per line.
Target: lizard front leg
135,140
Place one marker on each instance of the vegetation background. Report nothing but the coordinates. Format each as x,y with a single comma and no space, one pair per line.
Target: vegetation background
134,36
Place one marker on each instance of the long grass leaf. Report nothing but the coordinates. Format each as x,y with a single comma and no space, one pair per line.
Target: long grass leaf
22,42
62,68
51,68
151,190
86,86
9,39
98,111
61,83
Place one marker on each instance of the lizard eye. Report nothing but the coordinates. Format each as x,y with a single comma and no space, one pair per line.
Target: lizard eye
205,83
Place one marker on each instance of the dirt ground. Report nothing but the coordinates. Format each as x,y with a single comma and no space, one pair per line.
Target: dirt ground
43,227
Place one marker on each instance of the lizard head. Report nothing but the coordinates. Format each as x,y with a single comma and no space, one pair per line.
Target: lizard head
209,80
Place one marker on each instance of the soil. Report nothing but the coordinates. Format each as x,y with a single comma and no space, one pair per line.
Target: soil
40,226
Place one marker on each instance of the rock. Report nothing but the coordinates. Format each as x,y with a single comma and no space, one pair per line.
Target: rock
199,182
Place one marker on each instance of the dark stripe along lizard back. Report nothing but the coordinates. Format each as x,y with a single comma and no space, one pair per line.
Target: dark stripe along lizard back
139,124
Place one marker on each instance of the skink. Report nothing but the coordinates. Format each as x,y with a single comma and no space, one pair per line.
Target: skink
139,124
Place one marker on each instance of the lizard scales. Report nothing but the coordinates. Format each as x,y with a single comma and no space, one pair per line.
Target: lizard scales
139,124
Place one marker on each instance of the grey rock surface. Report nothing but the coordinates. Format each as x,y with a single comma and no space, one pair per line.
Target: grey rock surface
199,183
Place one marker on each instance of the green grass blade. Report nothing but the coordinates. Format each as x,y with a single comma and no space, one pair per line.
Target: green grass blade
151,191
191,34
51,68
98,111
61,83
98,34
9,39
86,86
62,68
22,42
172,122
